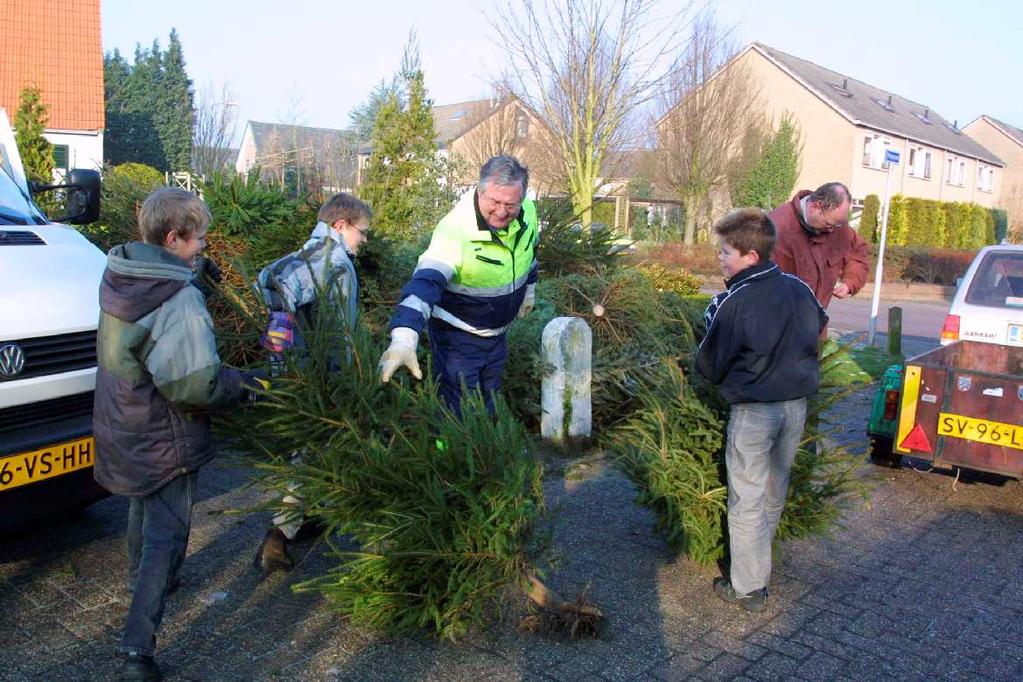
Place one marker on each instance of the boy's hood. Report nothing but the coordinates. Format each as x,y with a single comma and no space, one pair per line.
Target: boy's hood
139,278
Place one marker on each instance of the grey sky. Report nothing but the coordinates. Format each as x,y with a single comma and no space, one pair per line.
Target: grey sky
960,59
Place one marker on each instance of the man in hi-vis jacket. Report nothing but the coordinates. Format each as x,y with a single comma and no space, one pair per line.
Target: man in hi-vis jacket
478,274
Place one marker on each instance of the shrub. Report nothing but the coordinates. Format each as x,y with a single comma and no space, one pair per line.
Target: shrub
925,265
671,279
868,219
124,189
1001,220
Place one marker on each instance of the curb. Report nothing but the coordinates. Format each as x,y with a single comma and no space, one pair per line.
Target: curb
910,292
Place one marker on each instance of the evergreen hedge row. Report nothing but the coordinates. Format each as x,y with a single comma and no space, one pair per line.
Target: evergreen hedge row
931,223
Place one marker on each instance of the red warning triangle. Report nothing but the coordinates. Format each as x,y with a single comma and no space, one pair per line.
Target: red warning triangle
916,440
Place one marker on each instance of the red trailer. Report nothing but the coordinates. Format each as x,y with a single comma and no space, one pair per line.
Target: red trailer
962,405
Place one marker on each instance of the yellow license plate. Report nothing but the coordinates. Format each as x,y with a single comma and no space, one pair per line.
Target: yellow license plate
980,430
37,465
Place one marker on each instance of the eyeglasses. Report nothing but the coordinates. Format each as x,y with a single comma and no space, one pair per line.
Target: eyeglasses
830,225
510,207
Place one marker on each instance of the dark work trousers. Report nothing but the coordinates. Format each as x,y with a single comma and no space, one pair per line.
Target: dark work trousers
460,357
158,528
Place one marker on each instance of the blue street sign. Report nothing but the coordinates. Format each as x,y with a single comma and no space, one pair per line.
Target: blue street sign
891,156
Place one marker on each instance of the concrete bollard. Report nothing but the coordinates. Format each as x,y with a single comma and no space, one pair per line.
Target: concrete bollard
566,352
895,330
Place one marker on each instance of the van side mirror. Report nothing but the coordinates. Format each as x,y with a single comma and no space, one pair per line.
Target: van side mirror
83,196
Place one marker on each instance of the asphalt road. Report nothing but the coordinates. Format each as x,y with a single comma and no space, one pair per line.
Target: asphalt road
919,318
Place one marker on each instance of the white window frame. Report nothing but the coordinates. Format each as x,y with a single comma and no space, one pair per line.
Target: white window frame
956,171
919,165
985,177
874,147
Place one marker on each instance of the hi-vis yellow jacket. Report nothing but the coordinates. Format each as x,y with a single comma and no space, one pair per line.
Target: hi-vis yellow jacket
471,276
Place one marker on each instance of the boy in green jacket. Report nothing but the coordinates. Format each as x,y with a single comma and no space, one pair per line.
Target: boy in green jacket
158,377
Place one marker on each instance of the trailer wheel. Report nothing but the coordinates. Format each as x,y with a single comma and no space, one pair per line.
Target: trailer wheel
881,452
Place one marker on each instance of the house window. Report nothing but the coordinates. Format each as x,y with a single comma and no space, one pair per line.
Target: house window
521,124
874,147
985,177
61,157
919,165
955,172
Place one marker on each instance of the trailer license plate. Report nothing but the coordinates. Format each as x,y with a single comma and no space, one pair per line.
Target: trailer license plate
980,430
37,465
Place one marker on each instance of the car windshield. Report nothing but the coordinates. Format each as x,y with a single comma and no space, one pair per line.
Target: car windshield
15,207
999,281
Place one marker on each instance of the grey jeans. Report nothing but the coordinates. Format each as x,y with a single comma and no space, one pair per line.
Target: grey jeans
762,442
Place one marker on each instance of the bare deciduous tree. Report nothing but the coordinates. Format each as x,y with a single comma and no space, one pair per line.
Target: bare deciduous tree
216,116
586,67
706,113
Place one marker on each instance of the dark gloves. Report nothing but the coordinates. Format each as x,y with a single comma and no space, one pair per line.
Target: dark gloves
205,267
256,385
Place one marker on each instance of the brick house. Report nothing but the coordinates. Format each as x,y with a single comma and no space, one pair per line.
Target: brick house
847,125
56,46
1007,141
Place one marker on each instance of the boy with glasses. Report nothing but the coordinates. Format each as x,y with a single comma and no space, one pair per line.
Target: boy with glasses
291,287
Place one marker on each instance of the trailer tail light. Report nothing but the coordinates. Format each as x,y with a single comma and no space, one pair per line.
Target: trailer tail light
950,330
891,404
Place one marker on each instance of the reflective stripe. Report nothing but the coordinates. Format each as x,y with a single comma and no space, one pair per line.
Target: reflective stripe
417,304
440,266
489,292
444,315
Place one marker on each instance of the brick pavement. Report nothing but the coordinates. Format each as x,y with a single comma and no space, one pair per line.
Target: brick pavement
927,582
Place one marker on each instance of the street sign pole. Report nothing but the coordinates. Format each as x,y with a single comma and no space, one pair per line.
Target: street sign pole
892,158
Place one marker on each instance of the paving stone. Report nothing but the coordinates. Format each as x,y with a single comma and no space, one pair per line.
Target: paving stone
781,645
678,667
725,667
820,666
773,666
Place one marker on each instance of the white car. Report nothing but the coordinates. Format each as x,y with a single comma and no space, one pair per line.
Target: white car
988,304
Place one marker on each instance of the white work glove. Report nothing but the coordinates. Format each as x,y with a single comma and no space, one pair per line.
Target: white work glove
401,352
528,302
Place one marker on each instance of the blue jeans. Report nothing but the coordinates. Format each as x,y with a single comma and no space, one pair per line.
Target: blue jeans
158,528
460,357
762,443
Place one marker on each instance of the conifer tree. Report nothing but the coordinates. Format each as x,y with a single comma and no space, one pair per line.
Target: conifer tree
771,178
29,123
149,107
174,114
401,177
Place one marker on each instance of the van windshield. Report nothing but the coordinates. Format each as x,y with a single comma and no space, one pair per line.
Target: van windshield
999,281
15,207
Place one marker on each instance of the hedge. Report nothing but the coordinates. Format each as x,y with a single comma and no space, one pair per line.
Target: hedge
931,223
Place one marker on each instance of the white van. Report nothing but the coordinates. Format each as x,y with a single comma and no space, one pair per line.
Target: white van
49,309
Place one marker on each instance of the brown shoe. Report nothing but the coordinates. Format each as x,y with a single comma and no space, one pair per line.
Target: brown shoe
273,553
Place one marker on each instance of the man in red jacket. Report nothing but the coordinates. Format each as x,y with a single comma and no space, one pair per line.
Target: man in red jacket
816,244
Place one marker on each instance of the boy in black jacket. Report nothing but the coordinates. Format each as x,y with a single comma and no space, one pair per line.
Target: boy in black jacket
761,352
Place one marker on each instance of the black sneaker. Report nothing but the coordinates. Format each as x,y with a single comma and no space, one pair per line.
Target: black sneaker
273,553
138,667
755,601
